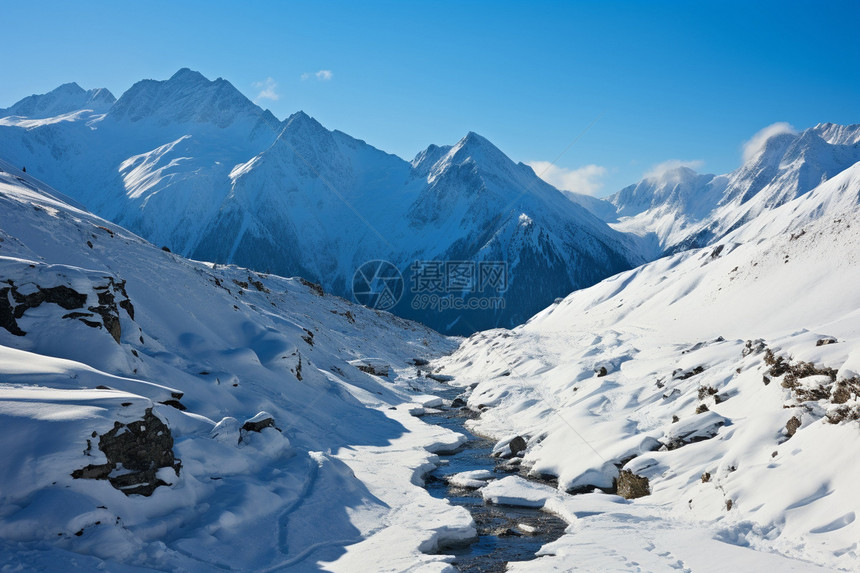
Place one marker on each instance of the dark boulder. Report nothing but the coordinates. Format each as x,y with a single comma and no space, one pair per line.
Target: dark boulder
517,445
258,422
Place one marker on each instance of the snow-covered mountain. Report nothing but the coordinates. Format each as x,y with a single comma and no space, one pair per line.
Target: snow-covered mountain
720,384
194,165
163,414
66,99
682,209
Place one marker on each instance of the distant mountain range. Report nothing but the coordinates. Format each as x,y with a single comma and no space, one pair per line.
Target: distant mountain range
193,165
681,209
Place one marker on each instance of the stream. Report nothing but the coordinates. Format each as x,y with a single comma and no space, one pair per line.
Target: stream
504,533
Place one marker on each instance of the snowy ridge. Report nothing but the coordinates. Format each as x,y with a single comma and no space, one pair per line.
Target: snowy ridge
259,418
726,376
192,164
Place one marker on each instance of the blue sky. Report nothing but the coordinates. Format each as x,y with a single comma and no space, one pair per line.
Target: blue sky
655,81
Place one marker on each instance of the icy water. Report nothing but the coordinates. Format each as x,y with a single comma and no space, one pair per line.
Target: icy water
500,536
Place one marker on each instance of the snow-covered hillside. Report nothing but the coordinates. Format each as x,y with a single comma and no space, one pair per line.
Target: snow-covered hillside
682,209
722,383
261,423
194,165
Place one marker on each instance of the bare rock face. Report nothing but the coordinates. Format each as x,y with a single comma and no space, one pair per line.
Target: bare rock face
631,486
135,452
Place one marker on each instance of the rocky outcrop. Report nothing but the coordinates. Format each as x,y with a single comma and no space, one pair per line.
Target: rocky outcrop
135,453
111,297
12,310
630,486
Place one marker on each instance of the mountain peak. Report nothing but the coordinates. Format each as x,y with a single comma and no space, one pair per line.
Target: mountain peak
187,97
473,140
302,124
187,74
478,148
70,87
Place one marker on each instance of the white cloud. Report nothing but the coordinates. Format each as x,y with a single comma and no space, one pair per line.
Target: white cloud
585,180
756,143
268,90
661,169
322,75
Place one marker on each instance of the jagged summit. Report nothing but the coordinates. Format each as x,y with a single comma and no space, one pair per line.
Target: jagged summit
835,133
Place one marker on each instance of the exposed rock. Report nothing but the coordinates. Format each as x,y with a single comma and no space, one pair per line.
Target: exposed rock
843,390
705,391
13,305
315,288
458,403
825,341
175,404
602,372
694,429
135,452
682,375
630,486
420,362
792,425
11,310
706,477
754,347
308,337
258,422
517,445
375,369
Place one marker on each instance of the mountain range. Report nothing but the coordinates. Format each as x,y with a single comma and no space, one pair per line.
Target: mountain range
195,166
680,209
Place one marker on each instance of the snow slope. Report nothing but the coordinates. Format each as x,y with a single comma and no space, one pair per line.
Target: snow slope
194,165
260,439
727,376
